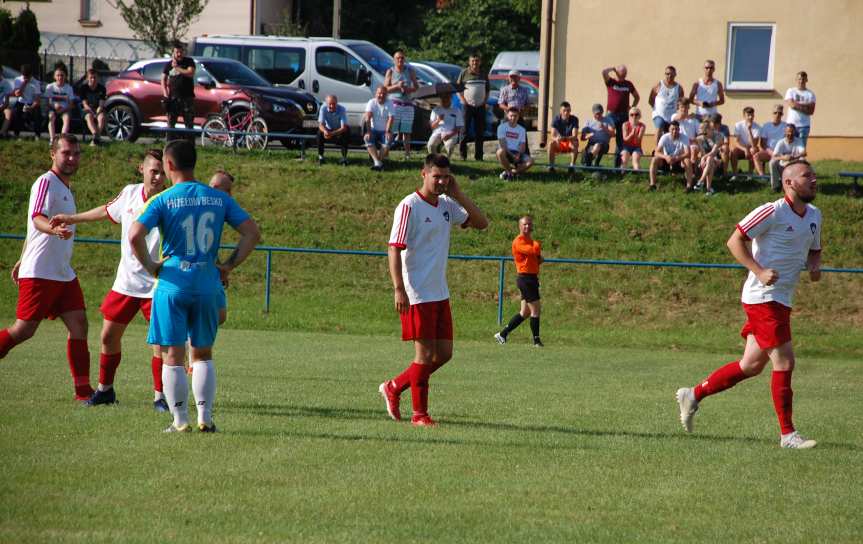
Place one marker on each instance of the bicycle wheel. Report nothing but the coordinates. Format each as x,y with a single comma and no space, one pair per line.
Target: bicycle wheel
215,133
257,137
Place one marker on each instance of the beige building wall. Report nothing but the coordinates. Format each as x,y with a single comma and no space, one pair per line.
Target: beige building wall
819,37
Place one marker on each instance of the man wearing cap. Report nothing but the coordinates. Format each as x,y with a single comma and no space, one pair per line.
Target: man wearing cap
598,133
514,95
619,90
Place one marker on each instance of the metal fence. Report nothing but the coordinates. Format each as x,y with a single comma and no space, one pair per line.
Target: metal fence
501,260
79,51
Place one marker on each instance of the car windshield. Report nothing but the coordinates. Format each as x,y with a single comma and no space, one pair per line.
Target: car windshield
234,73
450,71
376,57
425,77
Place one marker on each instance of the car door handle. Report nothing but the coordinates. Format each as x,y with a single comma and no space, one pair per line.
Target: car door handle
301,84
315,86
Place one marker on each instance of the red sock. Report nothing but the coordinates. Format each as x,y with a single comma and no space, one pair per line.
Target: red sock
722,378
156,366
780,387
420,388
79,364
403,380
6,343
108,364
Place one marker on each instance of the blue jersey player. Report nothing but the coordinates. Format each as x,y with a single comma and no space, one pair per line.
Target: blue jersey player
190,216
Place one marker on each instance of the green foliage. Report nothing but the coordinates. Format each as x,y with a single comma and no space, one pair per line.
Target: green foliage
160,22
6,24
25,32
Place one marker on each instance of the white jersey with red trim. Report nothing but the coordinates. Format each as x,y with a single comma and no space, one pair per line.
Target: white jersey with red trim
132,279
422,230
781,240
47,256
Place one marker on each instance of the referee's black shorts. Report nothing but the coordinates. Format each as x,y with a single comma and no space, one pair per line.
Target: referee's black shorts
528,284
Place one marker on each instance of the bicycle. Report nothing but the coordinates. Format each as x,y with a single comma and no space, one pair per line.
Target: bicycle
237,124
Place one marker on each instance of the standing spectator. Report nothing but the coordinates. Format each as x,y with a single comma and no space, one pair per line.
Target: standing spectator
786,150
633,132
513,95
527,254
60,96
709,155
178,88
5,107
774,131
447,126
564,136
512,151
378,121
801,107
707,93
663,99
333,128
598,133
688,127
474,82
417,255
672,152
619,90
27,93
401,81
92,95
747,143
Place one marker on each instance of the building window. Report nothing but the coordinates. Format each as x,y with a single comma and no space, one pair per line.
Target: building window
89,13
750,56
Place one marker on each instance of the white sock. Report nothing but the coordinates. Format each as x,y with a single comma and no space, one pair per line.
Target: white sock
378,162
176,388
204,388
103,387
158,395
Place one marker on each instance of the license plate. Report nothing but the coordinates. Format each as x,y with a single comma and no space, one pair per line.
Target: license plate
310,123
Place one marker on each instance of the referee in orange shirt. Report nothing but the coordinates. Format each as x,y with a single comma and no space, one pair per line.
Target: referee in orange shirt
527,254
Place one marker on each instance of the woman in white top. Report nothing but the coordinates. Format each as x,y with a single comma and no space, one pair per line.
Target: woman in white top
663,99
707,93
801,106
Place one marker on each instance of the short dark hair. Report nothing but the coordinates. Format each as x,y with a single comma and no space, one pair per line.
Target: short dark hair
182,153
397,51
513,108
474,55
436,160
670,67
803,73
177,44
92,71
155,153
565,104
717,117
683,100
674,124
749,109
26,70
65,137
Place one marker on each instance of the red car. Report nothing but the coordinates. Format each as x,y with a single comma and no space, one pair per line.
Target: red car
135,96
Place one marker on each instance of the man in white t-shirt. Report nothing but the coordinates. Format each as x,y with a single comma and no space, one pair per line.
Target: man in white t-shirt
785,236
27,93
59,96
512,150
774,131
47,286
378,127
786,150
747,143
801,107
132,291
418,253
672,152
447,125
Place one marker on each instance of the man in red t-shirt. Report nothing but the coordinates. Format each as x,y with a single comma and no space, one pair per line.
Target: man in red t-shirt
619,90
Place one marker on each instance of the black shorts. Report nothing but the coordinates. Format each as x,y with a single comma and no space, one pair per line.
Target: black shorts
528,284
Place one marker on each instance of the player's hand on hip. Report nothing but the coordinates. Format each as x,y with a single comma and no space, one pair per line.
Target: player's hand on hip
155,267
401,300
224,272
768,276
14,274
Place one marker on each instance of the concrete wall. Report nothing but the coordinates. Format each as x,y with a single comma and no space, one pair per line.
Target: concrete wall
820,37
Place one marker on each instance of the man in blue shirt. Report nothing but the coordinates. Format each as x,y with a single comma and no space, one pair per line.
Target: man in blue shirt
333,128
190,216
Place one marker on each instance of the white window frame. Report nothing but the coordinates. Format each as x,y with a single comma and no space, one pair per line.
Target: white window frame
749,85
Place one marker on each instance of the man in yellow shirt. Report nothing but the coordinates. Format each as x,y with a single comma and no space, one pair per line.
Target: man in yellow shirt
527,254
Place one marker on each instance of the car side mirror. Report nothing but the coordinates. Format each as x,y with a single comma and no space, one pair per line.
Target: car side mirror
364,77
205,82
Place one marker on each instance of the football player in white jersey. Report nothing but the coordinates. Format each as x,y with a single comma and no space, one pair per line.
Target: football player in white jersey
47,286
133,287
418,253
785,237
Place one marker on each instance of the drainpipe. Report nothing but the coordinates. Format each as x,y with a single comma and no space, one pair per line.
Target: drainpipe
252,15
546,75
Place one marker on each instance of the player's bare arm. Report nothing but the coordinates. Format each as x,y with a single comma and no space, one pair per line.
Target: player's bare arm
138,239
813,264
96,214
250,235
740,249
43,225
400,296
476,218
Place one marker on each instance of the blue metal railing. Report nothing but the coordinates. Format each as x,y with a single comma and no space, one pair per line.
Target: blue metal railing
501,260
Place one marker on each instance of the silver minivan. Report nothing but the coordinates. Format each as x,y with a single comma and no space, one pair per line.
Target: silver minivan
349,69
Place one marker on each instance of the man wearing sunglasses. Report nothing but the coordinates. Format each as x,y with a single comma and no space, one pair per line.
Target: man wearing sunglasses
707,93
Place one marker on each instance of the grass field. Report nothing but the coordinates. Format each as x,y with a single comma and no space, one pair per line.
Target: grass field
560,444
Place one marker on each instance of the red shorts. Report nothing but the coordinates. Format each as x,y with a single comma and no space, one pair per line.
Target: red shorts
427,321
40,299
121,308
769,322
565,146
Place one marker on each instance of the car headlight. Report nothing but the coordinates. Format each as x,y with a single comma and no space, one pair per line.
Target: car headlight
278,108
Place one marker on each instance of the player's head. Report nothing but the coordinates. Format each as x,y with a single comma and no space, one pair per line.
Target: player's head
180,156
436,174
65,154
222,181
152,170
799,179
525,225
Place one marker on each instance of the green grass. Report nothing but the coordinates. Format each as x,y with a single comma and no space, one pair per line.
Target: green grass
565,444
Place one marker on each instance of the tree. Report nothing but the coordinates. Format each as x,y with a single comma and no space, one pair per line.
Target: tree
160,22
6,23
25,32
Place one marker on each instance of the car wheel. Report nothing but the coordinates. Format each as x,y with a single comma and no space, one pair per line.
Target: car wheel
122,124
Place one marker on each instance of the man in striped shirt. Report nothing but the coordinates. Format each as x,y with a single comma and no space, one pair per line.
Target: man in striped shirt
418,252
785,237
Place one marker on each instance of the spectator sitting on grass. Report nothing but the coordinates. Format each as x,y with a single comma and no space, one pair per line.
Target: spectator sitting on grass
564,136
673,153
598,133
788,149
747,143
447,126
708,141
633,132
333,128
512,153
378,122
774,131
